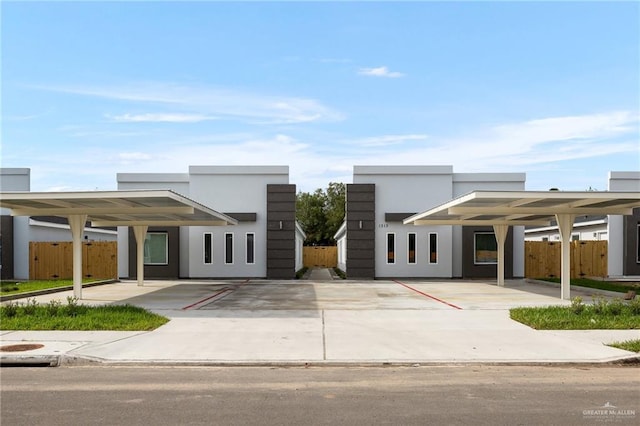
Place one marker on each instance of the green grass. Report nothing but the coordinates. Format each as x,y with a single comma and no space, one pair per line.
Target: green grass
300,273
601,315
55,316
602,285
340,272
13,287
628,345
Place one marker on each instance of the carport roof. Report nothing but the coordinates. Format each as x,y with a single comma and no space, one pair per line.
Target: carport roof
525,207
116,208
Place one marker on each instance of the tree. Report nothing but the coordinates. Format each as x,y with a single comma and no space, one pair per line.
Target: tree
321,213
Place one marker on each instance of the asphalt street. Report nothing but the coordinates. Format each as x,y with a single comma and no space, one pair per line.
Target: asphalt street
478,395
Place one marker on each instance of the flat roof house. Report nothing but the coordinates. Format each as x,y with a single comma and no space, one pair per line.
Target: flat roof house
374,243
624,231
263,244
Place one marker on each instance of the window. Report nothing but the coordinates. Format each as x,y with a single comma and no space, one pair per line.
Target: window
486,248
156,251
433,248
208,248
575,237
228,248
411,243
638,245
251,248
391,248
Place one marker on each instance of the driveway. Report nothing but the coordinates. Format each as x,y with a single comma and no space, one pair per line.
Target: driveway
266,322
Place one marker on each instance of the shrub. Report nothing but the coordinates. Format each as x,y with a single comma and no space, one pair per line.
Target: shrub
599,305
10,310
577,307
73,309
634,306
30,306
615,307
53,308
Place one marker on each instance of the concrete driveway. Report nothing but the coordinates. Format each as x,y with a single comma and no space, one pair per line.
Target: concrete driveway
274,322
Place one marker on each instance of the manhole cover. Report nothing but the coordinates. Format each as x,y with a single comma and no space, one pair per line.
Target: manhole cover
21,347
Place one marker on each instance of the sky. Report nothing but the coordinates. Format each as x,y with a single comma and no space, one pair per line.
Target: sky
91,89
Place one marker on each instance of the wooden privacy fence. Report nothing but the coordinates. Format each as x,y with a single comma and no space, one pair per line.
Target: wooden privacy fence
324,257
542,259
54,260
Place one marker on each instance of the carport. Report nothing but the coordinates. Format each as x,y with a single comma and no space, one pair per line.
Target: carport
502,209
138,209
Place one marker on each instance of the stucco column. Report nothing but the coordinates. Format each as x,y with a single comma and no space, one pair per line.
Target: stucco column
565,225
500,232
140,232
76,223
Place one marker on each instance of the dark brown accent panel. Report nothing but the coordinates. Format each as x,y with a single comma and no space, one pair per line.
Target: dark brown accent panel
172,268
470,269
631,250
243,217
396,217
6,247
281,231
360,218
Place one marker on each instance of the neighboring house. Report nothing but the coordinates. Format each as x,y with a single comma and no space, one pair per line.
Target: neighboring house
374,243
17,232
265,244
624,231
585,228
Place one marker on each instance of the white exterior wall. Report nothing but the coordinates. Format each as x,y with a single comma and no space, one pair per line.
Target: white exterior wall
226,189
18,179
300,237
409,189
341,243
232,189
584,232
413,189
177,182
464,183
619,181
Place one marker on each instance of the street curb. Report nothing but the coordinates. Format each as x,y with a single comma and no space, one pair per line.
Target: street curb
577,287
68,360
53,290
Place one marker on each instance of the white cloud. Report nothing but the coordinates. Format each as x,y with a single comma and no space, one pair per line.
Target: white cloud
160,118
380,72
387,140
208,101
134,156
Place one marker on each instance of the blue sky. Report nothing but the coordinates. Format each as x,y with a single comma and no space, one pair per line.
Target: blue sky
91,89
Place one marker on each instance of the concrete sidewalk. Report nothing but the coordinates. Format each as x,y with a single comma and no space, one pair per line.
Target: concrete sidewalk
342,322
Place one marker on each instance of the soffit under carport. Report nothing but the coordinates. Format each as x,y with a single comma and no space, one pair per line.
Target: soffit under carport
525,207
117,208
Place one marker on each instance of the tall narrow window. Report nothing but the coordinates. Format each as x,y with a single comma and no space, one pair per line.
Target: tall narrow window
228,248
251,248
411,246
433,248
156,250
208,248
486,248
391,248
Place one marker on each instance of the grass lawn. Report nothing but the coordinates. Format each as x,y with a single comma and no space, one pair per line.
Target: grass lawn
602,315
56,316
13,287
628,345
617,286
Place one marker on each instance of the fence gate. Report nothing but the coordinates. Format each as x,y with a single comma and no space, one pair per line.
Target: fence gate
320,257
54,260
588,259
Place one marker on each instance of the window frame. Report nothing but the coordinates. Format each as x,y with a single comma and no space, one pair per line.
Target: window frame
430,249
392,260
415,248
228,253
475,248
209,246
253,248
166,249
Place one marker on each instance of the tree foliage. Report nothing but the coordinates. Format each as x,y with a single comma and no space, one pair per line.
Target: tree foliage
320,213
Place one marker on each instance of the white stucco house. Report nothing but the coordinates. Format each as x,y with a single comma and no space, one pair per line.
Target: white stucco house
374,243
